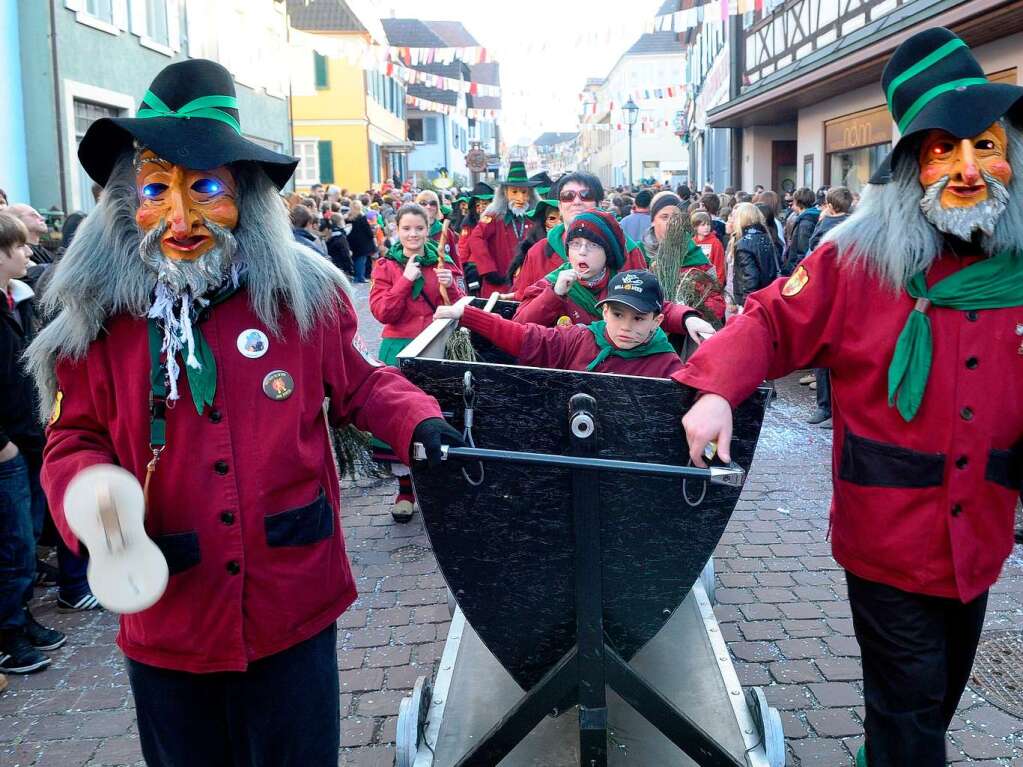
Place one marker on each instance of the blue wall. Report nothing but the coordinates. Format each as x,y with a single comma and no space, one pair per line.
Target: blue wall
14,157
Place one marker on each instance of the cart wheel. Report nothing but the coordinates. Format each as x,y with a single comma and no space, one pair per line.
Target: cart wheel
768,723
707,579
412,722
452,605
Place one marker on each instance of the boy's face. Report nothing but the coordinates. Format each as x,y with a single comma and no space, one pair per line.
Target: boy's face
703,229
627,328
14,262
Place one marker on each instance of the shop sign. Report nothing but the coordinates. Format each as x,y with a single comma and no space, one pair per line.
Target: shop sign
866,128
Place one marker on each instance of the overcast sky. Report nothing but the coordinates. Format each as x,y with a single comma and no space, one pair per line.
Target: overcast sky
547,49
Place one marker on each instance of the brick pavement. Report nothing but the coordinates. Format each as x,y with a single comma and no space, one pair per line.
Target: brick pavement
781,605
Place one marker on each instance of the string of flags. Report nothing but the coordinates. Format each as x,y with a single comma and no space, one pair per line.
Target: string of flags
448,109
644,125
590,105
708,10
417,56
415,76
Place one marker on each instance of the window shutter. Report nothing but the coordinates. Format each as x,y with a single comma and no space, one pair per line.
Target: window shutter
325,150
320,67
429,130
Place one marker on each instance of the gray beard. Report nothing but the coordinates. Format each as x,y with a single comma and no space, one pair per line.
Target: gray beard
516,211
963,222
198,277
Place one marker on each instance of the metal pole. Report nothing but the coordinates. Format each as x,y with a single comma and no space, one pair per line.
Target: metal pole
630,155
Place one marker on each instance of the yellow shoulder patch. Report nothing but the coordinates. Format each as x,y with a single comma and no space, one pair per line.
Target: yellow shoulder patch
564,321
796,282
55,413
486,220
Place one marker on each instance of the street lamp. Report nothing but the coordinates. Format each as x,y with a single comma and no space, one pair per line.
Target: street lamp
631,112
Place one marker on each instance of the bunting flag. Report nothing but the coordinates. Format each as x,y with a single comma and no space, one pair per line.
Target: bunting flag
427,105
592,106
704,11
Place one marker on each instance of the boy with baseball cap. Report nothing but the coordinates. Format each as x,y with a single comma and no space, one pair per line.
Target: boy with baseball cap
628,340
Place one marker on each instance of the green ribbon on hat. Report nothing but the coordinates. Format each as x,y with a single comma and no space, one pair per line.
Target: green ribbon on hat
209,107
993,283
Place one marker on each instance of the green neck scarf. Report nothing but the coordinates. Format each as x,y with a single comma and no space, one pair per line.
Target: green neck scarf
578,293
694,256
429,257
658,344
992,283
556,239
436,227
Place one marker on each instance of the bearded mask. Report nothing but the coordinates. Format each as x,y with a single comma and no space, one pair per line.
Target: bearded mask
518,198
965,181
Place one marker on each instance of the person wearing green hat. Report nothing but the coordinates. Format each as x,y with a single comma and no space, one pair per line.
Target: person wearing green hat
478,200
495,240
543,183
915,304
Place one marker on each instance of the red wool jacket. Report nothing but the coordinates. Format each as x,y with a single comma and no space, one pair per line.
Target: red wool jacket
715,251
925,506
450,246
391,302
245,500
547,255
570,348
492,244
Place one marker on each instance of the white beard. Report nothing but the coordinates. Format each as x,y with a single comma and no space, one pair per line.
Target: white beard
963,222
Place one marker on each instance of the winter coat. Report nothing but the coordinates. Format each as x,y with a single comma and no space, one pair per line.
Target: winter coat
19,420
339,251
755,262
824,225
361,239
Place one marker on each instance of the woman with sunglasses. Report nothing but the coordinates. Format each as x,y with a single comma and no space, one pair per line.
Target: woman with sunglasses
430,202
576,193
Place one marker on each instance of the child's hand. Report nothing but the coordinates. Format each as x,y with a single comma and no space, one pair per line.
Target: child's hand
565,280
699,329
412,270
445,277
453,312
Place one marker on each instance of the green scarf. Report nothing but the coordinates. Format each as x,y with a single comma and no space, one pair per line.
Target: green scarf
436,227
429,257
578,293
694,256
658,344
556,239
993,283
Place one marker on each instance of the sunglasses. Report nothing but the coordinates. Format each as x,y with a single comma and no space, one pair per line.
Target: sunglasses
429,203
585,196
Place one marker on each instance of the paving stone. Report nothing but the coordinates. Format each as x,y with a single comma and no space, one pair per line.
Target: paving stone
362,679
979,745
792,726
760,612
357,731
843,645
836,694
118,751
788,696
379,702
382,657
761,630
794,672
754,651
819,752
840,669
833,722
994,721
800,649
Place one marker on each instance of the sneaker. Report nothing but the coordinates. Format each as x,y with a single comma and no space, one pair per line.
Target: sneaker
41,637
808,379
820,416
21,656
813,386
76,604
46,575
403,510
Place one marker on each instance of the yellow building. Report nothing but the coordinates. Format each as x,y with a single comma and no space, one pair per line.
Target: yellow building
348,123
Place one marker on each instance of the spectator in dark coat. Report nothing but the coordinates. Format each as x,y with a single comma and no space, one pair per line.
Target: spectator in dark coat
806,214
337,245
754,262
837,207
361,241
303,225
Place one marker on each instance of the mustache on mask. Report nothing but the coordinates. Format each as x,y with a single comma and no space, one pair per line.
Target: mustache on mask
963,222
199,276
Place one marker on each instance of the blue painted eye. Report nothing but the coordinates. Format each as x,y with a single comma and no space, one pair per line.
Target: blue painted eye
152,191
207,186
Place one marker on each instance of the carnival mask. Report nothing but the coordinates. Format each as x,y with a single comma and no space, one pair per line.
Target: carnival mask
518,197
186,203
965,181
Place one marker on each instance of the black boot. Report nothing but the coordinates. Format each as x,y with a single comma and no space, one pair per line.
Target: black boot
17,655
41,637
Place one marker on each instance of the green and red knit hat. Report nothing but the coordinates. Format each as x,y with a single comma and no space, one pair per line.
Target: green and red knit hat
600,227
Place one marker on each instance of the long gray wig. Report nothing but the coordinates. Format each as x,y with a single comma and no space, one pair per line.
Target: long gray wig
499,206
890,234
103,274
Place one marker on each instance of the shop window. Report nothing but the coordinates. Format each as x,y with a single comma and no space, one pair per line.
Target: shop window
86,113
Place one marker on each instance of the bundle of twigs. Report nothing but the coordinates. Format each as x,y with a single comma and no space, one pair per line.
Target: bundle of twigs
459,345
691,287
354,454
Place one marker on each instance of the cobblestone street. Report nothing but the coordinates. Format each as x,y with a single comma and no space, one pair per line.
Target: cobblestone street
781,604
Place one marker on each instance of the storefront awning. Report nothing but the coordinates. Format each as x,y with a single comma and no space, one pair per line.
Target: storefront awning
401,147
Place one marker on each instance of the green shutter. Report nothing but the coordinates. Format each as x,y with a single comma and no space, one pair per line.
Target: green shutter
320,67
326,153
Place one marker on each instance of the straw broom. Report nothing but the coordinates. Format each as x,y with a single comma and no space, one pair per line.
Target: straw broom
459,345
695,286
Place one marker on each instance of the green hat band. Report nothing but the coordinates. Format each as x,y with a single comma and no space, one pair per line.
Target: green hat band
208,107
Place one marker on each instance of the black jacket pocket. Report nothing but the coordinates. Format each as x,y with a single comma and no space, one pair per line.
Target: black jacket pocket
880,464
1005,468
181,550
301,526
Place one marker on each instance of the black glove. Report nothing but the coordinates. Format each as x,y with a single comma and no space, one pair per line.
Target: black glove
494,278
432,433
472,278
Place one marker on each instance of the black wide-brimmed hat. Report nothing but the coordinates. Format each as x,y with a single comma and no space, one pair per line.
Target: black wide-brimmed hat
542,181
517,175
190,117
482,191
932,81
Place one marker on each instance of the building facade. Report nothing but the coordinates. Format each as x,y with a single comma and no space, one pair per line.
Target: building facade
348,121
808,107
708,85
85,59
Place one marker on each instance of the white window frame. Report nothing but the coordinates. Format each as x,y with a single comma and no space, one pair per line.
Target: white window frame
140,27
302,172
83,92
118,13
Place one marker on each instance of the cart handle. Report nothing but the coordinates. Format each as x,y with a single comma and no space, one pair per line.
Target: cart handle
731,475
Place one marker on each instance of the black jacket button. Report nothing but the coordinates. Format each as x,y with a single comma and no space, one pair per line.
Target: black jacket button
215,416
227,517
956,510
961,462
233,567
966,414
220,467
972,362
971,315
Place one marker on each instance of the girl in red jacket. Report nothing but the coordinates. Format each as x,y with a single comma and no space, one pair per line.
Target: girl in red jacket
409,283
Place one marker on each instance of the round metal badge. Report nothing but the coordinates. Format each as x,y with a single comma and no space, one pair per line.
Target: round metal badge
278,385
253,343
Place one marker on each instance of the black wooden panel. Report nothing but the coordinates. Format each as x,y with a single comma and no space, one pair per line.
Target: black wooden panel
506,547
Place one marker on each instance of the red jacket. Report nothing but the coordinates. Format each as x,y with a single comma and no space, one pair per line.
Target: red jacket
570,348
492,245
715,251
925,506
391,302
715,302
450,245
547,255
245,500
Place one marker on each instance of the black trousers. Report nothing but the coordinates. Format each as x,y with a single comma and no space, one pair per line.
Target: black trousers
284,711
823,388
917,655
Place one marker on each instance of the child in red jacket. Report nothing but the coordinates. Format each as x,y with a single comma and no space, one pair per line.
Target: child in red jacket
704,237
628,340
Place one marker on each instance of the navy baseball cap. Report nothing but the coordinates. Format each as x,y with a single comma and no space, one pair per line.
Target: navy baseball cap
638,289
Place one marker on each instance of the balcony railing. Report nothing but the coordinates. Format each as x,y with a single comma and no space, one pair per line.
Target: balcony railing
800,27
